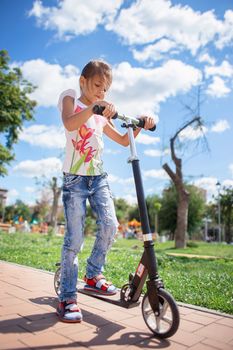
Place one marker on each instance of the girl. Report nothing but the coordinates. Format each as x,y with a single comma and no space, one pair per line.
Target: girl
84,178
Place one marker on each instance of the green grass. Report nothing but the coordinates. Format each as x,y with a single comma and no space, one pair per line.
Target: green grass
201,248
202,282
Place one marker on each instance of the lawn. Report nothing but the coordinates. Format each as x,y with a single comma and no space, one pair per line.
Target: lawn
204,282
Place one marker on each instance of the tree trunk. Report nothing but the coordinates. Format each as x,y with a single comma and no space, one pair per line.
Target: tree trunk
228,233
56,195
182,218
53,220
183,195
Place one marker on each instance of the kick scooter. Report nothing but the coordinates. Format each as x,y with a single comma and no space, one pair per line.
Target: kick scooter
159,309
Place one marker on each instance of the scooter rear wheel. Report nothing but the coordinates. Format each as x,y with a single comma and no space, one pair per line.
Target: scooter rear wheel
167,323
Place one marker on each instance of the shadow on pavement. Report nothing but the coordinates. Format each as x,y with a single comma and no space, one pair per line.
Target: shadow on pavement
101,335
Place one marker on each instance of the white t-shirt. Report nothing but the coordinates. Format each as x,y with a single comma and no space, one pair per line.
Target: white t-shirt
84,146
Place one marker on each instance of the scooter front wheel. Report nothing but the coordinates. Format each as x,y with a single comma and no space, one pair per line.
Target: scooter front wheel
167,323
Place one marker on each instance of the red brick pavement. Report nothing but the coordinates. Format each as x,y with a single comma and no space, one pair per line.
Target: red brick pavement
28,320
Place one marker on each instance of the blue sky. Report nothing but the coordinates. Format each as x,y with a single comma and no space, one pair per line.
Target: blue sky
160,51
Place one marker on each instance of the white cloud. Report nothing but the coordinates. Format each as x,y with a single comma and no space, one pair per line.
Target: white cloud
225,30
111,151
156,173
150,20
220,126
231,169
151,85
205,57
191,133
129,198
209,184
156,152
227,183
46,136
116,179
112,178
155,51
35,168
224,70
153,152
218,88
147,139
30,189
127,186
72,17
50,80
146,21
12,195
142,22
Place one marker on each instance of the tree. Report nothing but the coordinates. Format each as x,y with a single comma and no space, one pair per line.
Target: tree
168,211
177,178
41,209
122,209
51,185
153,203
196,210
18,210
9,212
226,202
15,108
134,213
56,195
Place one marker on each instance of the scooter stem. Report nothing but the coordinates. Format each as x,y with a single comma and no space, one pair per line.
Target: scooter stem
147,235
133,151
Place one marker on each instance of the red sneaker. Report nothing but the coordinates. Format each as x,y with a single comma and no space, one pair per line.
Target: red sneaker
98,284
68,311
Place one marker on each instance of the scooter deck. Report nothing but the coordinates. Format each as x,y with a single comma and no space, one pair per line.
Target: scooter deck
112,299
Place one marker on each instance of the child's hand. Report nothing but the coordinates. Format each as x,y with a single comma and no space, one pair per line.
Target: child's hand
109,110
149,122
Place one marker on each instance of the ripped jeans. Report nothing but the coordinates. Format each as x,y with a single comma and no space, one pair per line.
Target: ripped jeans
76,190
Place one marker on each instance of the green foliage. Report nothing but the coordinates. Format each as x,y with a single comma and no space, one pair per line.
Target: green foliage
19,209
196,209
226,202
191,244
134,213
153,203
168,211
38,212
122,209
5,157
15,108
41,210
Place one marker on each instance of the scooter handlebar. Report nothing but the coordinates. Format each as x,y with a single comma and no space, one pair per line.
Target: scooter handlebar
97,109
141,124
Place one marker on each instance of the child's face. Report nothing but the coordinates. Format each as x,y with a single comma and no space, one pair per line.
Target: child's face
93,89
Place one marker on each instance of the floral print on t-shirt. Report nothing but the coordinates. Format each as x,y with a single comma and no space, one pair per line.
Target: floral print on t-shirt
82,145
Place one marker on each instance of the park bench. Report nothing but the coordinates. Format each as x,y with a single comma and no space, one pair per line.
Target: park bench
5,227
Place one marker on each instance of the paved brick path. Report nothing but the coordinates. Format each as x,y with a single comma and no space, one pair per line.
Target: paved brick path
28,320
